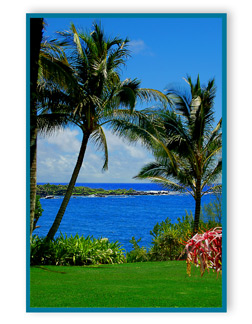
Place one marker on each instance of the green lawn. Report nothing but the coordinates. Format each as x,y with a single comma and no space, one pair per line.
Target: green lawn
150,284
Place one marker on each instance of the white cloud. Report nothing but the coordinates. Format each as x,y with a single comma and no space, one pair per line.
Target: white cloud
136,151
65,140
138,46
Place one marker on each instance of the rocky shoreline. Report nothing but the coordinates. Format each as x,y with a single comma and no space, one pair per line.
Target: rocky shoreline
136,193
49,191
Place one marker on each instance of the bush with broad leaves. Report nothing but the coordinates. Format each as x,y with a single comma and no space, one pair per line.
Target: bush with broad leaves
75,250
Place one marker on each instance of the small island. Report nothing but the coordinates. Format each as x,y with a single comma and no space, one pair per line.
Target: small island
51,190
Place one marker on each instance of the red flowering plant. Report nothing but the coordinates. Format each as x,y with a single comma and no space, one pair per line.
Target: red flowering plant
205,251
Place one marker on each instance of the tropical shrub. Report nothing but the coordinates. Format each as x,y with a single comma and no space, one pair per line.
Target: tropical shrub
76,250
138,254
166,243
205,251
166,246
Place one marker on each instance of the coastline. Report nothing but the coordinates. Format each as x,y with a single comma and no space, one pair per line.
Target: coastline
49,191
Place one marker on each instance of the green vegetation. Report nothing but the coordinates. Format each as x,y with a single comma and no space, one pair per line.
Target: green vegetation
38,212
138,254
60,190
168,240
150,284
75,250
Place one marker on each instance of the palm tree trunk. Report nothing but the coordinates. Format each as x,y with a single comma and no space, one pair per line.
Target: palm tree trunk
70,188
36,31
197,206
33,179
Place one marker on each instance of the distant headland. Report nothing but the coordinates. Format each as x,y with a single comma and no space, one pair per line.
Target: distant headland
51,190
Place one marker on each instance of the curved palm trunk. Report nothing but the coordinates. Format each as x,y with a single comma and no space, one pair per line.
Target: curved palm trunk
70,187
36,30
197,207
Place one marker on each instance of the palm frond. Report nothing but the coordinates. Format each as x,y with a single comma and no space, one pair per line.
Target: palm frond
217,189
54,66
125,94
180,103
99,139
166,183
154,169
48,124
213,136
76,39
148,95
211,175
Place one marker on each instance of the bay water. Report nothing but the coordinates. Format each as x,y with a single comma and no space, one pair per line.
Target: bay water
117,218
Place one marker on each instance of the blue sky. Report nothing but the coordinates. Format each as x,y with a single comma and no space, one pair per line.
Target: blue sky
164,51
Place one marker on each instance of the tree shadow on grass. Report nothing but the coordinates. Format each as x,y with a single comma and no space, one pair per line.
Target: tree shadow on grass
46,269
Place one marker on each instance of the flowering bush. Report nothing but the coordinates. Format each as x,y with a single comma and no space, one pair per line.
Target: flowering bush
205,250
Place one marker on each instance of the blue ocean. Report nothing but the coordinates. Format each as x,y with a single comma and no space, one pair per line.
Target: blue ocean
117,218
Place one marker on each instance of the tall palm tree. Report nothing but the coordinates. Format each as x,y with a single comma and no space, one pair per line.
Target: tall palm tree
184,143
98,96
49,70
36,33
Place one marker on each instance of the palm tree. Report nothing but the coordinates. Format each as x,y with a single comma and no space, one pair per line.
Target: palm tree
36,31
49,70
184,143
98,96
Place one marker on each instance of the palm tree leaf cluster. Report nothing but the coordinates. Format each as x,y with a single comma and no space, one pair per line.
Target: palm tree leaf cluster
187,133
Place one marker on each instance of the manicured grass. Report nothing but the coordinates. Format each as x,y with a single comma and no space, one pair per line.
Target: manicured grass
150,284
